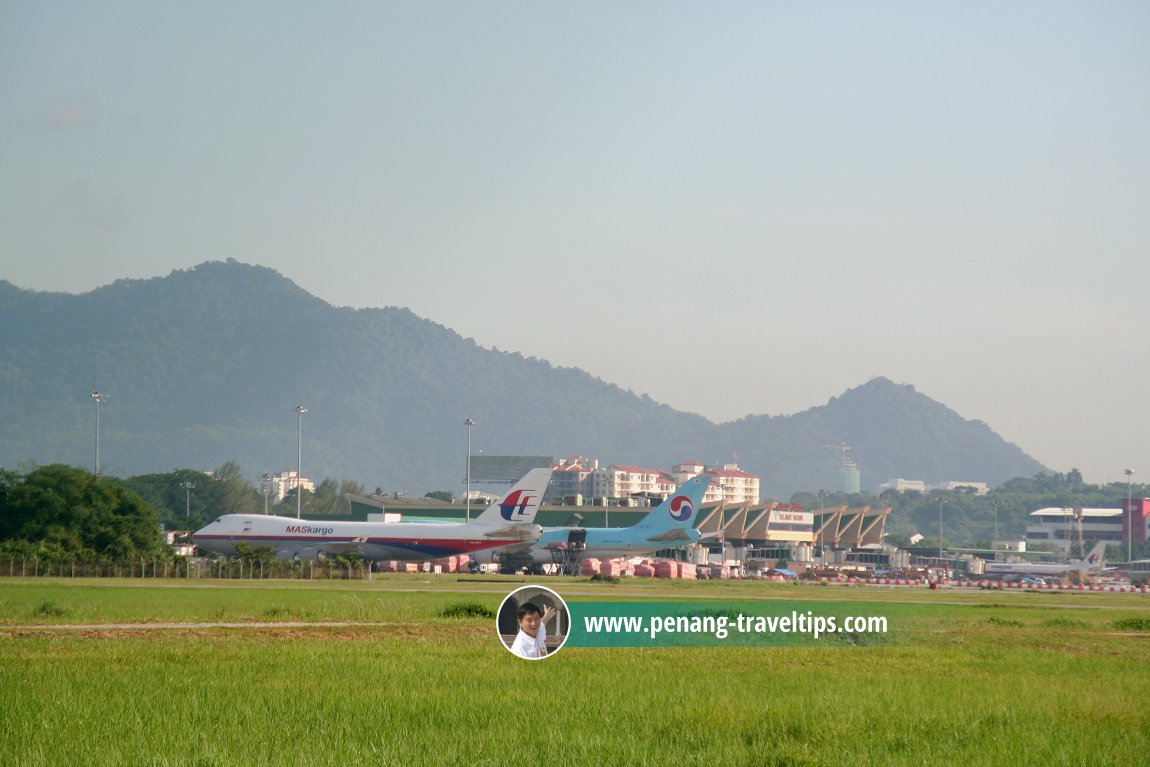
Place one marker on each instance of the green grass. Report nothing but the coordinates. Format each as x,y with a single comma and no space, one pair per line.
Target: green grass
968,678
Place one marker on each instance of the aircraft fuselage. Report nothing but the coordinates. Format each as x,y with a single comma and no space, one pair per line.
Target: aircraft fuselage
305,539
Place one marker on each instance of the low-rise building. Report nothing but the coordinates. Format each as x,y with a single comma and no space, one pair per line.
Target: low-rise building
903,485
908,485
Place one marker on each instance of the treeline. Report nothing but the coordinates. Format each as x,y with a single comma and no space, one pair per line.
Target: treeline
63,511
187,499
969,520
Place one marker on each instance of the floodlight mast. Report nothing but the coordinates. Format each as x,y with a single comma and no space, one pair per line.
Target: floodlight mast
188,488
98,397
266,488
300,410
467,482
1129,517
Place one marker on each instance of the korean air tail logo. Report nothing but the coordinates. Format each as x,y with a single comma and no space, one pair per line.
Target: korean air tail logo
515,505
681,508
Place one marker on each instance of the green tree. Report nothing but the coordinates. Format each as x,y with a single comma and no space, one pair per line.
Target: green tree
187,499
180,497
330,498
70,510
234,494
249,553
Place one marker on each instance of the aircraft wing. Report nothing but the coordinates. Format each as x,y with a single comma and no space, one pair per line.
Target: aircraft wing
354,546
674,534
528,533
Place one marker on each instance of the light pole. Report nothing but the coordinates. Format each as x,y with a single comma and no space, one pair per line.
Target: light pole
300,410
266,489
467,482
1129,517
188,488
98,397
940,527
822,529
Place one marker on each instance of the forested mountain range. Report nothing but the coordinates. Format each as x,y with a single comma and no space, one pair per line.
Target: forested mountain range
207,365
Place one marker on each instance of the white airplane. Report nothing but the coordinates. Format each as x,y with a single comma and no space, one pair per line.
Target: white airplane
667,526
509,522
1091,563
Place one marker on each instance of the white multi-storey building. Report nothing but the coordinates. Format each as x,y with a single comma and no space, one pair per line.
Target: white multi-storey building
569,478
728,481
624,482
285,482
582,477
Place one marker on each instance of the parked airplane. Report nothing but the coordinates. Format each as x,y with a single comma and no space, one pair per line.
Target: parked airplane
1090,564
668,525
508,523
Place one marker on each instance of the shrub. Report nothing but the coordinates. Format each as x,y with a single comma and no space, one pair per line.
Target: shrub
467,610
49,609
1132,624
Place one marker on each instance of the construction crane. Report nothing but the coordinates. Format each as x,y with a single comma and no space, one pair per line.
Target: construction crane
843,449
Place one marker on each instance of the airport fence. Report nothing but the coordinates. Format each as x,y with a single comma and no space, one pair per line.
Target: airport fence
182,568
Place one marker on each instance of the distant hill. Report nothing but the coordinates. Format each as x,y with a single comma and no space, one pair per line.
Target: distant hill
207,365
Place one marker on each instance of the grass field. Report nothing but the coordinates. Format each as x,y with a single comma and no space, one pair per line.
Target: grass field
966,678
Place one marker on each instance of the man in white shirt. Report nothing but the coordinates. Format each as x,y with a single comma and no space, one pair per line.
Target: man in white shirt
531,642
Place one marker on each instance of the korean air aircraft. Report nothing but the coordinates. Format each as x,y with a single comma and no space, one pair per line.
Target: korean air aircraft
667,526
509,523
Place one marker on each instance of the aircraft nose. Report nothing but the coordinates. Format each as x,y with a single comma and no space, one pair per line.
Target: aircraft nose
199,534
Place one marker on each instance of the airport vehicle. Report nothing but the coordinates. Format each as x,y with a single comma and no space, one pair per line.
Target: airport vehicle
509,523
667,526
1091,564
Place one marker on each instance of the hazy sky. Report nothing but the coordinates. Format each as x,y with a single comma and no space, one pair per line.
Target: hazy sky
734,207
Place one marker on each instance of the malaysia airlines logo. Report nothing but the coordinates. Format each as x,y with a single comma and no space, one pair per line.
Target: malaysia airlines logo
515,505
681,508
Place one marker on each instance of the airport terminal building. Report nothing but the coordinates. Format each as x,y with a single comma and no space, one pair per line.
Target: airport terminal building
1066,528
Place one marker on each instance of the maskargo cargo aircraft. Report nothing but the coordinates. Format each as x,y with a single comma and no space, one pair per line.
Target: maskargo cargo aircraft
509,523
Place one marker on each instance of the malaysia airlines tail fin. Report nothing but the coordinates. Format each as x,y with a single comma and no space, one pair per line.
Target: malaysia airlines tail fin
681,510
1094,560
519,504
